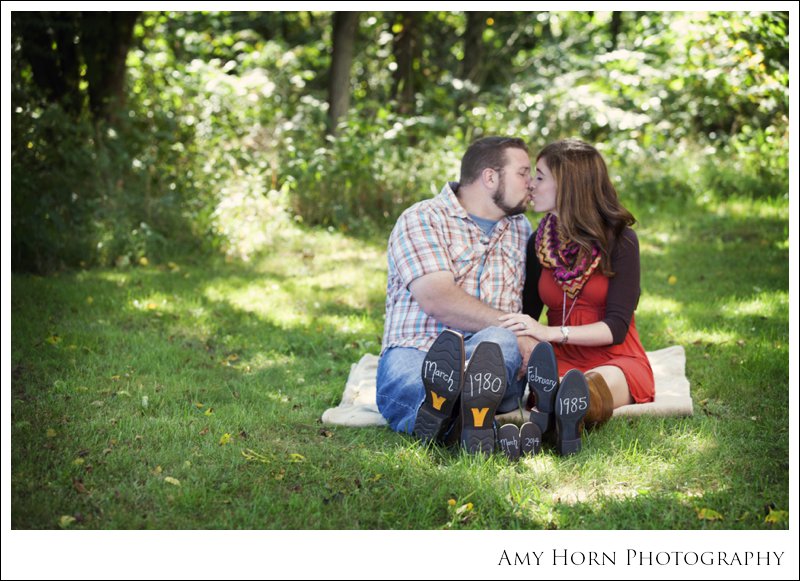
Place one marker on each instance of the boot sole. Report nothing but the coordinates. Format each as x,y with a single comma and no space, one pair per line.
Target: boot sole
543,382
508,440
484,388
442,378
572,403
530,439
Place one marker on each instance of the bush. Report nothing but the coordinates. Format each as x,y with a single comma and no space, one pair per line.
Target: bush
223,134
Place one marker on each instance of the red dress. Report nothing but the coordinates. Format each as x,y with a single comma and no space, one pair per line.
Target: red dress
590,307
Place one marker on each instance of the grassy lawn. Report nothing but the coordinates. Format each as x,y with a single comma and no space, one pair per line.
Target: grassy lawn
189,395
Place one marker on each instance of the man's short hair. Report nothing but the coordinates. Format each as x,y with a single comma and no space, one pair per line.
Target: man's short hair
487,152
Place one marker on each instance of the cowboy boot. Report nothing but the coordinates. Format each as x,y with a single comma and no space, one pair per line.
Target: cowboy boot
543,385
601,402
571,405
443,378
484,388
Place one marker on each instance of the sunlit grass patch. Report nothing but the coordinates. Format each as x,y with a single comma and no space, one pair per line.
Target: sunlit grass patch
220,386
764,304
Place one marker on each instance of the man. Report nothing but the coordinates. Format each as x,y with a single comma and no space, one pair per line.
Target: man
457,263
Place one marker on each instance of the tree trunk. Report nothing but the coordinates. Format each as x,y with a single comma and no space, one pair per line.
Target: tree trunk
405,48
472,65
106,39
615,28
345,26
48,45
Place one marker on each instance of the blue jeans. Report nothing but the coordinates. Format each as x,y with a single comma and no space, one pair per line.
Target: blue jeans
399,385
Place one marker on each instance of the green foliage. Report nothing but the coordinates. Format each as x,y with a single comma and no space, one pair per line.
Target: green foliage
51,172
222,137
368,172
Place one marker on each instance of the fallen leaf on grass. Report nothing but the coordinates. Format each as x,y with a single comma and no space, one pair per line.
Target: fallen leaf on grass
708,514
209,411
173,481
66,521
225,439
204,431
253,456
464,508
53,339
50,433
77,484
776,517
462,514
295,458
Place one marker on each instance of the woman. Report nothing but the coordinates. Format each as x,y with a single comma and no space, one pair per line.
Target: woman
583,263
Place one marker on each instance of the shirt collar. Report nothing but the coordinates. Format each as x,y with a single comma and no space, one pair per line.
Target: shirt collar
454,207
450,200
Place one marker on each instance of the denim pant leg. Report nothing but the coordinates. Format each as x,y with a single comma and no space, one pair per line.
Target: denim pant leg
508,345
399,386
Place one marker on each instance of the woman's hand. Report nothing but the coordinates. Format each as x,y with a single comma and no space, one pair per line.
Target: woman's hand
524,325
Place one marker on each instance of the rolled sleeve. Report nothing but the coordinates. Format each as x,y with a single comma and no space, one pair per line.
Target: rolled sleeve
417,248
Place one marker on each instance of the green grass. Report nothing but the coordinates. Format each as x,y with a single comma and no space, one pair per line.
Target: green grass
190,396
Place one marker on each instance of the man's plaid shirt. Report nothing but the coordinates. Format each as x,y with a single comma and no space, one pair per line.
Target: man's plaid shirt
438,235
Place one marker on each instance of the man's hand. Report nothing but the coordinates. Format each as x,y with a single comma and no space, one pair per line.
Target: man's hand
526,345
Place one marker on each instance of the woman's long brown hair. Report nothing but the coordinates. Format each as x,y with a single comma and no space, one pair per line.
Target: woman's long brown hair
588,207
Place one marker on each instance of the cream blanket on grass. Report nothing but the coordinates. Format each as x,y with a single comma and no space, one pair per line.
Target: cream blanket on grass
673,398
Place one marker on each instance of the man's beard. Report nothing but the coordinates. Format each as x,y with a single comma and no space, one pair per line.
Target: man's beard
499,199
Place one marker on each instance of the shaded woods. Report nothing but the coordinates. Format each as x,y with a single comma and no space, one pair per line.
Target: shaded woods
148,134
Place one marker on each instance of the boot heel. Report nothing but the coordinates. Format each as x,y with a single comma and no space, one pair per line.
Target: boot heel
478,441
542,419
428,426
567,447
572,403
